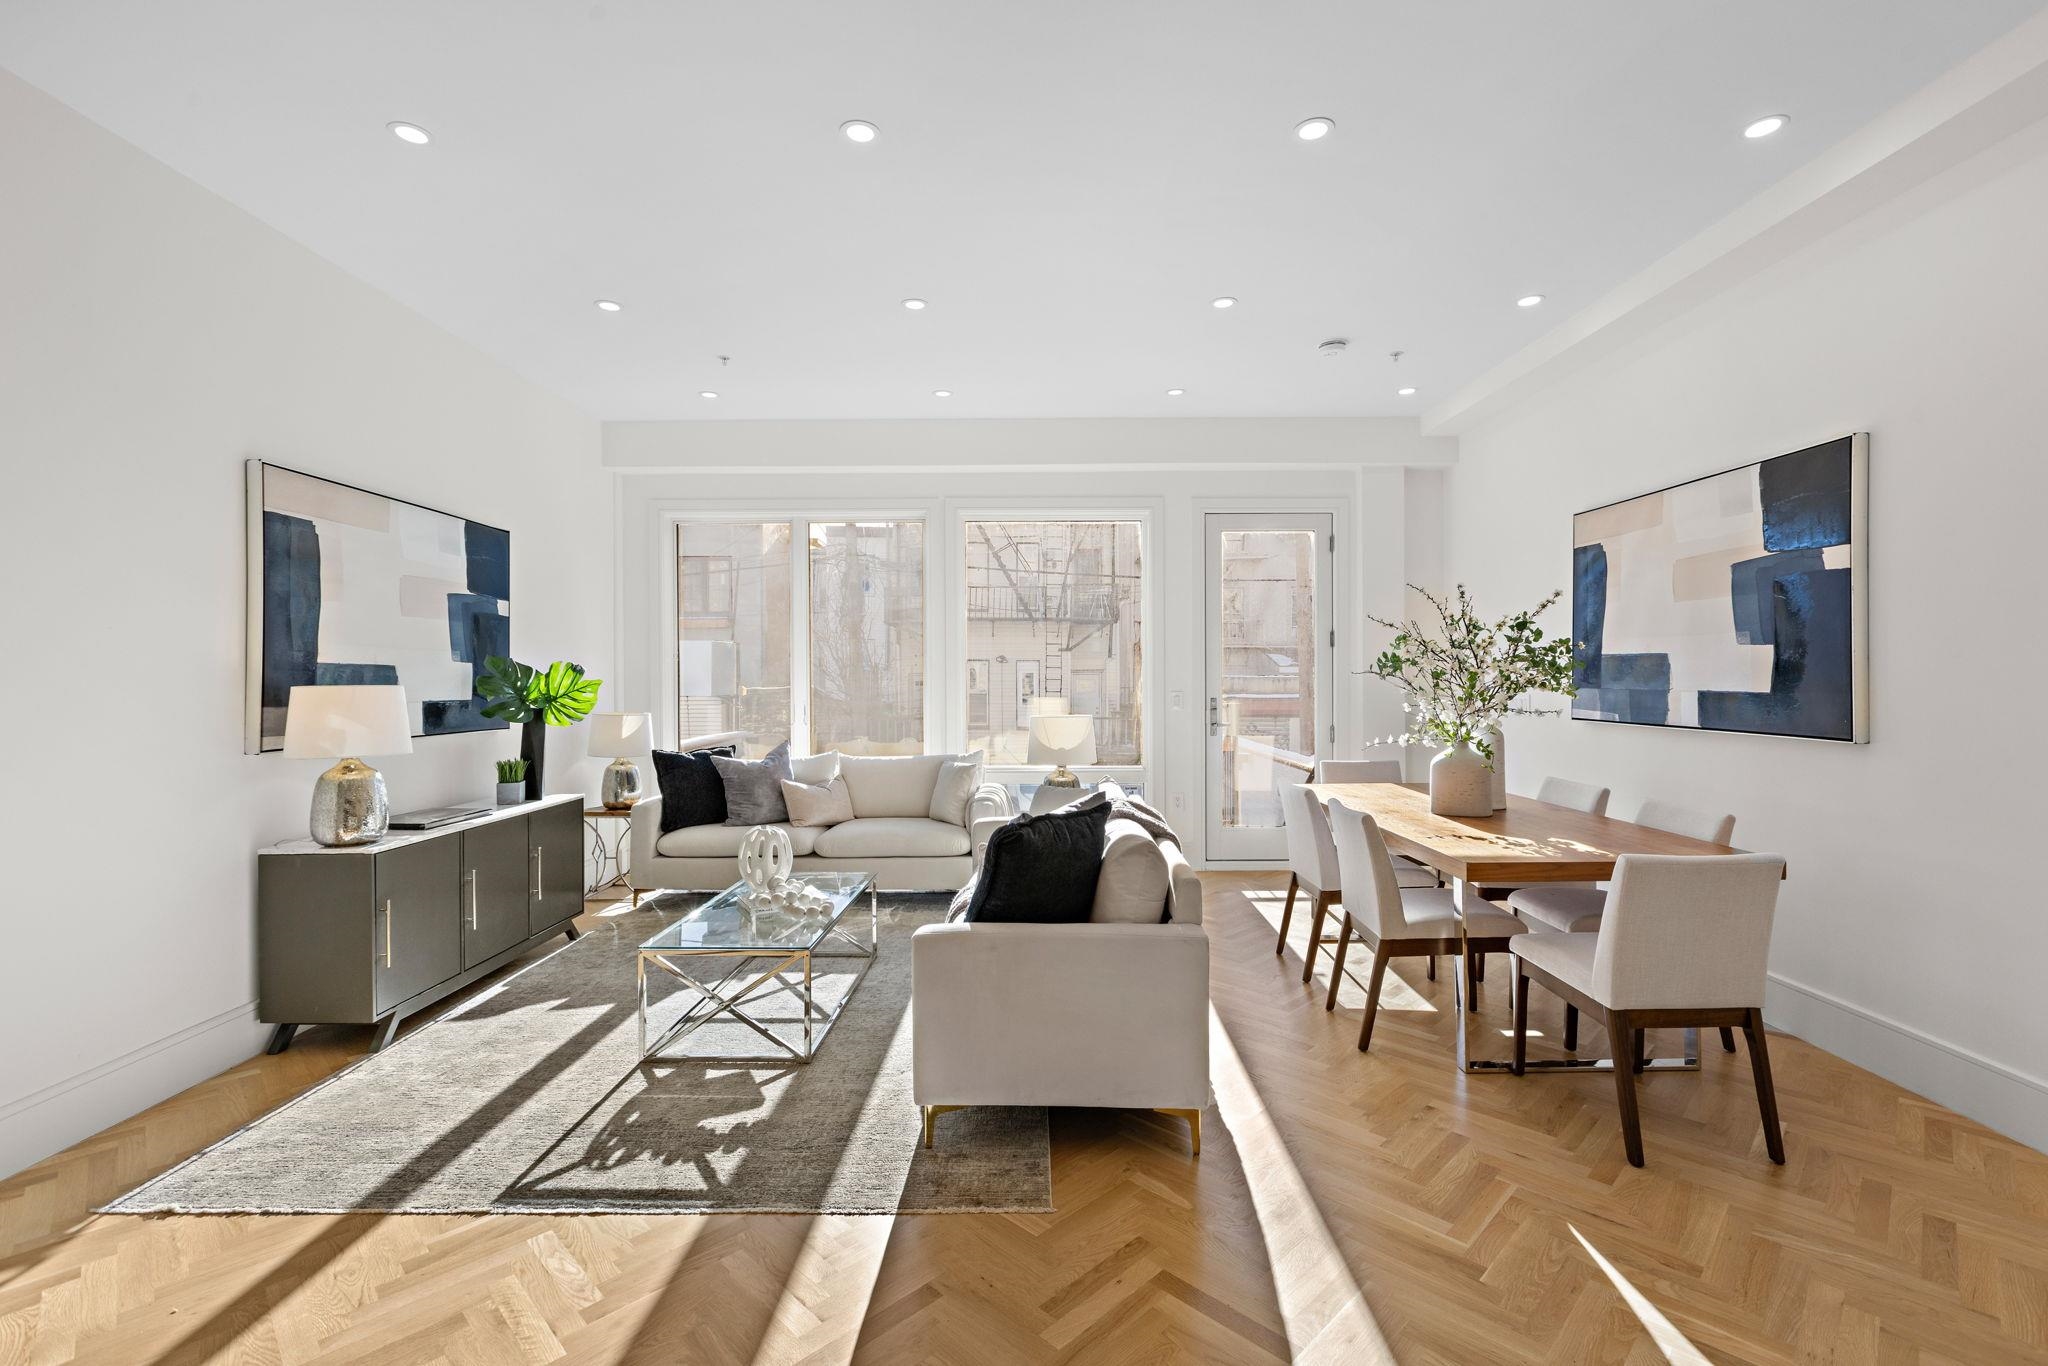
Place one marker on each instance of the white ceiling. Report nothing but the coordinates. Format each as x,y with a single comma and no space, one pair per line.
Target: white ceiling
1069,184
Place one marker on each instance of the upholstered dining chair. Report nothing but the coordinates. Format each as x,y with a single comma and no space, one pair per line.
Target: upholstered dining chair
1312,868
1373,771
1684,941
1398,922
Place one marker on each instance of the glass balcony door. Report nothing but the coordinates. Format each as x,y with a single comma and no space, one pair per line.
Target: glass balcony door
1269,691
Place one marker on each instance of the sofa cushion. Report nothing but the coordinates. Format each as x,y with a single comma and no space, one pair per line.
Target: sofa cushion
1041,869
815,769
891,785
692,793
953,789
819,805
892,837
723,841
753,788
1134,883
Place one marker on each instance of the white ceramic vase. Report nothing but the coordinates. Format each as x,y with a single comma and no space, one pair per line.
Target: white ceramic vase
1460,783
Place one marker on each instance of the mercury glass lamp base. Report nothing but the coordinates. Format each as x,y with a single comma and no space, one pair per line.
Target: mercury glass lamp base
1062,776
620,787
350,805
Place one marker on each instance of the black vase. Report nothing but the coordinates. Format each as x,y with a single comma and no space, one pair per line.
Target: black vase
533,747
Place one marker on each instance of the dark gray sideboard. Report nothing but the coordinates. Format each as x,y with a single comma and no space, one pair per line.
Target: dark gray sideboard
371,934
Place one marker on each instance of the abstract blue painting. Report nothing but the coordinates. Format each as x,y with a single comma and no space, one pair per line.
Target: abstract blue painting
348,586
1734,602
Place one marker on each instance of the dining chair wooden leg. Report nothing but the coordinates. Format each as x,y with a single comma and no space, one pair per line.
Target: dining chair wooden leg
1766,1093
1432,967
1727,1039
1521,985
1315,936
1636,1048
1618,1029
1337,966
1372,995
1571,1027
1478,967
1287,913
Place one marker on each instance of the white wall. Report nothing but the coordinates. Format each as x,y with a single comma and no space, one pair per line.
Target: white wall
152,338
1368,502
1908,939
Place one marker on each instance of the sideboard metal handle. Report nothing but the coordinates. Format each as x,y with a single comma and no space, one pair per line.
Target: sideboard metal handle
534,859
470,878
387,932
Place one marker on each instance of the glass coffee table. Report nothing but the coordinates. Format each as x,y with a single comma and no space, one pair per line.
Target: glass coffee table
758,947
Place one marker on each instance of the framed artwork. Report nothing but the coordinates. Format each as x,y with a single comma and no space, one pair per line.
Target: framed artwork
977,676
349,586
1735,602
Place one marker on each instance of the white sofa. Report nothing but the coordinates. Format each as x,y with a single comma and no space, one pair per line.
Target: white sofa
1113,1015
892,834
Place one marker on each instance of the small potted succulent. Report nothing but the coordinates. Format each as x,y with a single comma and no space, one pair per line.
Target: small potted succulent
511,781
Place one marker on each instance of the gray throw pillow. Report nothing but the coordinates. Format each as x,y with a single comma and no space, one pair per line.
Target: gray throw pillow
753,790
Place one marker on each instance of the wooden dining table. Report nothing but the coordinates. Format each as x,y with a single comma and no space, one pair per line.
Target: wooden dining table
1528,843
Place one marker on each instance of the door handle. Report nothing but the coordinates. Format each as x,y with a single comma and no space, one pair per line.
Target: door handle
387,932
1215,718
470,878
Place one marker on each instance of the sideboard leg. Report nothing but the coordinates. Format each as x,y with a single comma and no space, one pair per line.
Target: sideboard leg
281,1038
571,933
387,1030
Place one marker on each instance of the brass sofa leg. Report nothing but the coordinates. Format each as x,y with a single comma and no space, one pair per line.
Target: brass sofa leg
931,1114
1194,1119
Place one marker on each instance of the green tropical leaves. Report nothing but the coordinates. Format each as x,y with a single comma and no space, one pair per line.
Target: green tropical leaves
515,692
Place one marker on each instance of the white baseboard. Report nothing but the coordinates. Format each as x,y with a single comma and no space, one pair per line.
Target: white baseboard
59,1115
1999,1097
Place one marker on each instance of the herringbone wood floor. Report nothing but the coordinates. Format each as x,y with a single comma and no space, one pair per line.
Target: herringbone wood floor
1345,1208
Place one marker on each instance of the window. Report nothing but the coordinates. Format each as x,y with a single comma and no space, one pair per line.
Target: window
1053,623
732,631
867,637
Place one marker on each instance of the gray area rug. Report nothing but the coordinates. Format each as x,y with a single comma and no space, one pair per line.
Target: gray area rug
532,1098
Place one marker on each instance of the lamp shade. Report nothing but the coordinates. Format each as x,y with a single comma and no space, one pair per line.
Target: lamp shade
1062,740
621,734
346,721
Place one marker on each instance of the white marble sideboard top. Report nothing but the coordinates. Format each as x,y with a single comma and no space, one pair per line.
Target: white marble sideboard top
399,838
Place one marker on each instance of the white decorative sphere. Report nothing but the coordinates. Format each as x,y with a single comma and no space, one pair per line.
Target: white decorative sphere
766,856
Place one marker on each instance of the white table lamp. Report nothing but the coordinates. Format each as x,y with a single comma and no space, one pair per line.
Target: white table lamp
622,737
345,721
1060,739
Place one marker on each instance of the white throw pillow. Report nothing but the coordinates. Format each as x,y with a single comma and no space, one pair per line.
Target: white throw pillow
891,786
817,804
953,792
815,769
1134,883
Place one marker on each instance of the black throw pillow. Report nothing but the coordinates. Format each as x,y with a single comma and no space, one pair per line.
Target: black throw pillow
1041,870
692,793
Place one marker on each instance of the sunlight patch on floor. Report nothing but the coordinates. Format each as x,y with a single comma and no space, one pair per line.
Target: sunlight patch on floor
1322,1310
1676,1347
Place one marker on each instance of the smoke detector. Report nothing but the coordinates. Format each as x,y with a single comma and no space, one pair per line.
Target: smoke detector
1333,347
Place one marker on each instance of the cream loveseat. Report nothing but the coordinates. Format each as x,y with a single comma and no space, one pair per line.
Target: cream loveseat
892,834
1088,1014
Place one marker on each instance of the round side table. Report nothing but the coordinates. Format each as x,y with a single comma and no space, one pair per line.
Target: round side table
605,854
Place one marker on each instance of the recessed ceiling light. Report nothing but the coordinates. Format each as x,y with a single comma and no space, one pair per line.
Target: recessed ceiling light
1404,393
1765,126
410,132
913,305
942,393
707,393
609,306
1175,393
1529,301
1309,130
859,130
1225,302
